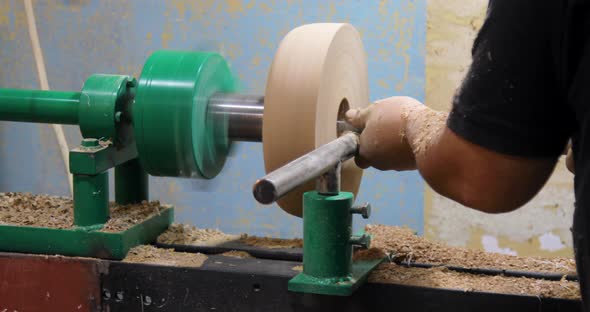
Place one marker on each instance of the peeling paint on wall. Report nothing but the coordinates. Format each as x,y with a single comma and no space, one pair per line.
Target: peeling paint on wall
541,227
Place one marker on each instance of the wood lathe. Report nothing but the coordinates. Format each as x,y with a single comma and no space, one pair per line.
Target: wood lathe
178,119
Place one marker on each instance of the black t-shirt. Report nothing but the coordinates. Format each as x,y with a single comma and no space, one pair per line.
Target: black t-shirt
527,91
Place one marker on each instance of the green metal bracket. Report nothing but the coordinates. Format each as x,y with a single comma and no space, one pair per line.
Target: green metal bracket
84,241
99,156
89,164
328,268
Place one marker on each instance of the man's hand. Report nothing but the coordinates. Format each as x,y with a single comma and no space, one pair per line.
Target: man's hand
402,134
384,142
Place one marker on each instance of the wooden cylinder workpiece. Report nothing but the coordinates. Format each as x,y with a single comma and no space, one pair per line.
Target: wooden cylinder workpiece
319,71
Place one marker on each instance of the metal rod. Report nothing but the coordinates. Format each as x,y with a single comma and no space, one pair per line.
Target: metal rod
328,183
276,184
244,113
56,107
343,126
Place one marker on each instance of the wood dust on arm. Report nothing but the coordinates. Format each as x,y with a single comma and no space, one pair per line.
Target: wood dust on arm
423,128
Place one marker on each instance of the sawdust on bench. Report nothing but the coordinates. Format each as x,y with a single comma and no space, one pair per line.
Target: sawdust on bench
402,244
237,254
440,277
25,209
36,210
272,243
153,255
368,254
125,216
185,234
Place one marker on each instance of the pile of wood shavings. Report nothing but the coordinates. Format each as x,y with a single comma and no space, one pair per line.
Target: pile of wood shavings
184,234
36,210
267,242
403,245
125,216
25,209
161,256
390,273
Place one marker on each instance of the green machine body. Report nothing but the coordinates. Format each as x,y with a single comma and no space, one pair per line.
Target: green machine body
159,125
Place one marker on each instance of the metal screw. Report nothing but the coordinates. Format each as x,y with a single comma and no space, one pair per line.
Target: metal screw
147,300
119,296
363,241
364,210
256,287
106,294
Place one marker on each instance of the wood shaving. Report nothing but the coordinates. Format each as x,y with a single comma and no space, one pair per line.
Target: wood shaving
25,209
268,242
368,254
237,254
36,210
125,216
390,273
402,244
161,256
184,234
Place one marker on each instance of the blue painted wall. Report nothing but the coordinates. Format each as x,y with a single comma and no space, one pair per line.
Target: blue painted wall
82,37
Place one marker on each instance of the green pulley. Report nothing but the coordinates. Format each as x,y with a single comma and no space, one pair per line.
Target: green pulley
175,134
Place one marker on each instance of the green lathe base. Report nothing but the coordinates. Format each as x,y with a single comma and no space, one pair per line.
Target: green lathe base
84,241
331,286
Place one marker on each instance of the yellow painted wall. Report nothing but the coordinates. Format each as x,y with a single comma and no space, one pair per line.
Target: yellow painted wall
542,226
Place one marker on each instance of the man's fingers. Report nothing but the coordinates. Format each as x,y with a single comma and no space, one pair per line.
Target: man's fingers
358,117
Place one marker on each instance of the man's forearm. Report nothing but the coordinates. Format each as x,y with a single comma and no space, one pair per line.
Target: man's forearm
399,133
467,173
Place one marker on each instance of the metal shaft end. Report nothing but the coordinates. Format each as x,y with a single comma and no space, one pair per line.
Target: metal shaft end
265,192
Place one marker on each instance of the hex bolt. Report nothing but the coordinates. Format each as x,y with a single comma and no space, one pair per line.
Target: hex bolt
147,300
106,294
364,210
119,296
363,241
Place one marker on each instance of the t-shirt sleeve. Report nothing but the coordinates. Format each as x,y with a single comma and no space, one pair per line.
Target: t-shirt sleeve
510,100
